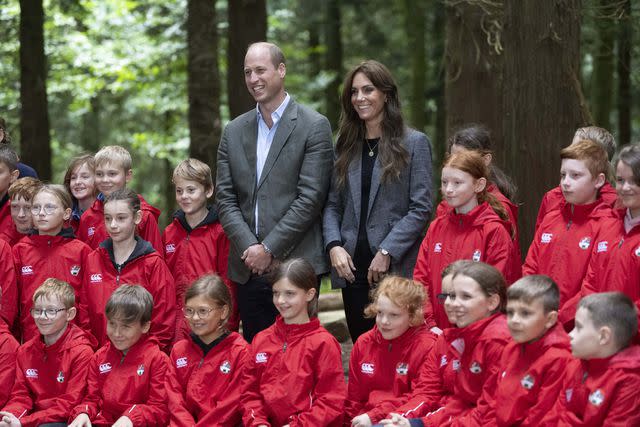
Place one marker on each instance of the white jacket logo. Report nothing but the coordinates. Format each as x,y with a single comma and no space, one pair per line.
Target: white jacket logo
443,360
475,368
140,370
596,398
31,373
181,362
91,231
225,368
60,377
527,382
170,248
546,237
438,247
476,255
261,357
603,246
402,368
585,243
75,270
104,368
367,368
27,270
96,278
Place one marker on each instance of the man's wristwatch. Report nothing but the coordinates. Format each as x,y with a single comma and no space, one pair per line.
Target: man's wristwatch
384,252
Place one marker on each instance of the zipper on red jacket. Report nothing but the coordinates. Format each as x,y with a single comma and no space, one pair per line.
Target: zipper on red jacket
119,270
569,224
621,242
201,362
389,348
284,347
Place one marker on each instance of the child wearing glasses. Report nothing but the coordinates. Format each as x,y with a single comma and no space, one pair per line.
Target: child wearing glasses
51,370
50,251
125,257
203,383
126,380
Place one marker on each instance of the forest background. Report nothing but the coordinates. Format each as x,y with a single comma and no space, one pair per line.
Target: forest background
163,77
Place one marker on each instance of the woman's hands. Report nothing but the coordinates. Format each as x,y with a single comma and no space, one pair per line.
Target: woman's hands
342,262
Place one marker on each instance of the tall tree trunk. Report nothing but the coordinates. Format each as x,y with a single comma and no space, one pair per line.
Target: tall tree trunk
90,135
247,24
334,61
603,67
624,75
203,81
35,146
437,74
543,102
415,25
474,66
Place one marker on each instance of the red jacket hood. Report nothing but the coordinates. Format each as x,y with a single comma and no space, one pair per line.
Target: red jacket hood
144,206
490,328
597,209
629,358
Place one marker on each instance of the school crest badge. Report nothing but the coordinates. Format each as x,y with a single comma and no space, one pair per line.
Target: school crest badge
402,368
475,368
60,377
225,367
637,251
476,255
585,242
527,382
75,270
456,365
596,398
140,370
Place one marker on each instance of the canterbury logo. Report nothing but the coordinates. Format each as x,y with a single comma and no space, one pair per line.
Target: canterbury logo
261,357
27,270
367,368
181,362
104,368
31,373
96,278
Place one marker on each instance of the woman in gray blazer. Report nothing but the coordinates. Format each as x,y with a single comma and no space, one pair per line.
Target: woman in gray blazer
380,197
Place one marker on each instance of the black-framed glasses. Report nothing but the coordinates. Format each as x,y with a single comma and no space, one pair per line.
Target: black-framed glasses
48,209
443,297
202,312
49,313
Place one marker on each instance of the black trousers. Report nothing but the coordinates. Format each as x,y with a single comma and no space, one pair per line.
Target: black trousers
355,299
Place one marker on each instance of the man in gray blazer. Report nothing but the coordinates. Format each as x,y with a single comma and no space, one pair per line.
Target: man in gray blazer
273,174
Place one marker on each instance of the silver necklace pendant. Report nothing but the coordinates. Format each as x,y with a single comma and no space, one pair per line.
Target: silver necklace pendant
370,153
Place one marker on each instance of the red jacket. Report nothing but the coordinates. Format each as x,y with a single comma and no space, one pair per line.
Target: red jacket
39,257
614,264
599,392
192,253
93,232
562,245
479,235
531,380
205,390
436,379
9,297
294,376
554,199
383,373
50,380
480,345
131,384
8,350
6,223
145,267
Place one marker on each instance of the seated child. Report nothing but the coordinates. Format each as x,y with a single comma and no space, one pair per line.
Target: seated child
601,387
8,174
532,364
294,374
195,243
563,243
21,193
203,381
385,361
126,381
80,183
8,349
49,251
51,372
112,173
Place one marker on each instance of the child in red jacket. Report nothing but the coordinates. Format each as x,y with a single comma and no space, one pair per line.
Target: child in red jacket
126,258
51,372
385,361
21,193
534,363
8,174
478,301
195,243
50,251
126,381
474,228
601,387
112,173
8,349
79,181
294,374
554,198
9,286
563,244
203,383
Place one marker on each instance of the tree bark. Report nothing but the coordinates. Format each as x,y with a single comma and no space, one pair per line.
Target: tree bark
35,146
334,61
603,63
415,25
624,102
247,24
203,81
542,98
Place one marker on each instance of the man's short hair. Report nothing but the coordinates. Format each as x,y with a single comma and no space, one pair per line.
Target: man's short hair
9,157
615,310
194,170
115,155
130,304
277,57
56,288
536,287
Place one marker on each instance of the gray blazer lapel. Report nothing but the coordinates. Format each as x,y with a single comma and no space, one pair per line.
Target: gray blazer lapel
285,127
375,184
249,141
355,185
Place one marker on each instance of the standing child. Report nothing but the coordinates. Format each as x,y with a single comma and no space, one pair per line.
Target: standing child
294,376
21,193
51,374
8,174
385,361
112,173
126,258
80,183
51,251
203,382
532,364
195,243
601,387
126,380
8,349
475,227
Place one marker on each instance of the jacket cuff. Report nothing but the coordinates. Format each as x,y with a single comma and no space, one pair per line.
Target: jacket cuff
333,244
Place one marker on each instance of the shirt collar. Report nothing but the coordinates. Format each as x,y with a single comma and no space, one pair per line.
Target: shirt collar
275,116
